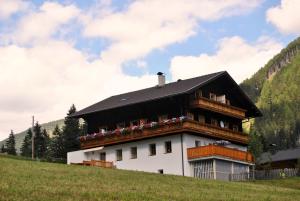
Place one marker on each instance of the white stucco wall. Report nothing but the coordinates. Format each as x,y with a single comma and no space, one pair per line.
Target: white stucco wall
170,163
76,157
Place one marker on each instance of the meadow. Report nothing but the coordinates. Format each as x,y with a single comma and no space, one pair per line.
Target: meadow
31,180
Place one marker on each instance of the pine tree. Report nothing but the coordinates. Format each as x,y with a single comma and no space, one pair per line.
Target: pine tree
11,144
71,132
56,145
41,139
3,150
26,149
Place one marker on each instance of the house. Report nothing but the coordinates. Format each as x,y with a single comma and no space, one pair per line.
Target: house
190,127
289,158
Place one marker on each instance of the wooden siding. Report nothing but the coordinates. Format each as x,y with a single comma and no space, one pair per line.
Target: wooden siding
216,150
185,126
219,107
99,163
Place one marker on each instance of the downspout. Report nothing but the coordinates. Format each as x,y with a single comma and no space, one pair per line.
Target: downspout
182,155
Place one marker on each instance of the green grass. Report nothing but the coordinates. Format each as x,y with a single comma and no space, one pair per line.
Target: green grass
31,180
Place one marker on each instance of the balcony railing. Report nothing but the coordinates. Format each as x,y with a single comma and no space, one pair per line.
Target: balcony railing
216,150
99,163
160,129
219,107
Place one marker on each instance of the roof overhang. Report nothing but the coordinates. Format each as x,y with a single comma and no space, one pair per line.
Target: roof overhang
92,149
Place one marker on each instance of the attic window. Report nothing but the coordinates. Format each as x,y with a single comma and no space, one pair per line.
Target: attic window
123,99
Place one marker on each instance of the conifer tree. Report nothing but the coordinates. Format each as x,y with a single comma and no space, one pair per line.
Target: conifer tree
11,144
41,139
2,149
26,149
56,145
71,132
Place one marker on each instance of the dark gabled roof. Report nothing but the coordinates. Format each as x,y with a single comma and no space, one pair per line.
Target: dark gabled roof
283,155
148,94
168,90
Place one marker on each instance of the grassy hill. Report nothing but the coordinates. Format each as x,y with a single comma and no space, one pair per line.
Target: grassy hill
31,180
275,89
19,137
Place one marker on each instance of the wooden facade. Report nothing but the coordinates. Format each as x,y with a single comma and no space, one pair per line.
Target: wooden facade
184,126
221,151
219,107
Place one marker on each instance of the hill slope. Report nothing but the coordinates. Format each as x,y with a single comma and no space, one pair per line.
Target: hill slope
276,90
29,180
19,137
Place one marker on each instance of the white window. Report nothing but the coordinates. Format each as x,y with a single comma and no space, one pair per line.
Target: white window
102,156
133,152
152,149
119,155
168,147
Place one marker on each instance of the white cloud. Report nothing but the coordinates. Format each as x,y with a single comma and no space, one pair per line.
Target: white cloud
234,55
45,80
40,25
286,16
154,24
9,7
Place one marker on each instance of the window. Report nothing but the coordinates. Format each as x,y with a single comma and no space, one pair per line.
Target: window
221,99
160,171
121,125
119,154
134,123
190,115
152,149
212,96
214,122
198,94
197,143
168,147
102,129
133,152
201,118
235,127
102,156
161,118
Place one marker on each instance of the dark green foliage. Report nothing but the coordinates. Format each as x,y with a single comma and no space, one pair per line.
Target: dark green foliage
71,132
279,100
2,150
56,145
26,149
256,144
11,144
41,139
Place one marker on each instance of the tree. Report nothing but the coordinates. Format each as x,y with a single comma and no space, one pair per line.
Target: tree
71,132
255,144
11,144
41,139
56,144
26,149
3,150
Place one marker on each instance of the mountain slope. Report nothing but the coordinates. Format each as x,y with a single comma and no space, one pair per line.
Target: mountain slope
19,137
276,90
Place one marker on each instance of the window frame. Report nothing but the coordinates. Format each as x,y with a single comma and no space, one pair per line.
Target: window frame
168,151
119,157
151,149
132,156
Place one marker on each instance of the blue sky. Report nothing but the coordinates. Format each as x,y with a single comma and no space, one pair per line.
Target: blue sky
84,51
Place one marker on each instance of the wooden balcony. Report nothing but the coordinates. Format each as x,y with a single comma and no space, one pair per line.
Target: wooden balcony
185,126
219,107
98,163
216,150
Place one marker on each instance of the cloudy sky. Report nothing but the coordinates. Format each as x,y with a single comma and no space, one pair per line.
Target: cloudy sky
56,53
